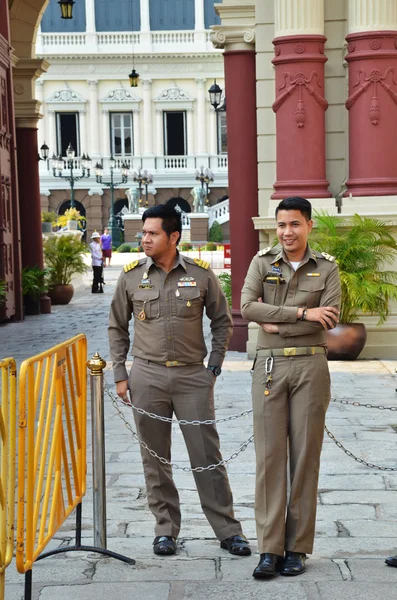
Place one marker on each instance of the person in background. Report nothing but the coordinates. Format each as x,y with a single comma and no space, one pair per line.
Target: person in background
96,262
106,243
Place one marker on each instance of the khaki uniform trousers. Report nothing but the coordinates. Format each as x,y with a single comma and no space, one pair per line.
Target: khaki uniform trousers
189,393
292,415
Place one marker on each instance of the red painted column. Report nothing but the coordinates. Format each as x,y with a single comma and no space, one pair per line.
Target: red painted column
372,59
240,84
300,116
29,197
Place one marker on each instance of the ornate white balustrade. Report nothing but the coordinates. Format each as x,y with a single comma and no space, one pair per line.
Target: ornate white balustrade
114,42
219,212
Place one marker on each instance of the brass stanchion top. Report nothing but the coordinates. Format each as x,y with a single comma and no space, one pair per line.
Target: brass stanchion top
96,364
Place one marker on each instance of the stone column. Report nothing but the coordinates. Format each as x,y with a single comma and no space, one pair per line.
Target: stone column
213,141
240,83
191,147
145,15
51,128
93,141
137,132
372,59
300,104
27,114
199,21
201,124
83,132
90,25
159,132
105,132
147,124
41,125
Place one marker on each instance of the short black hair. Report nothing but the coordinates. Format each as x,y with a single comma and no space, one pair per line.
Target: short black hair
171,218
296,203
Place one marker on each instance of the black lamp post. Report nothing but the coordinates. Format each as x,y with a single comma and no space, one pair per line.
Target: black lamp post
113,226
143,178
205,177
66,8
44,149
58,166
215,93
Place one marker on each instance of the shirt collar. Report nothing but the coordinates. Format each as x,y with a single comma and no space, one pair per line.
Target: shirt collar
309,254
178,262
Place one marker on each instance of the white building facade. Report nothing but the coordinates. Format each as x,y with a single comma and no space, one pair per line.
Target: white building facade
166,125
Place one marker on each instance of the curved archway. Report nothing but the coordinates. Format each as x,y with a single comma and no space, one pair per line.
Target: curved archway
179,204
23,30
118,211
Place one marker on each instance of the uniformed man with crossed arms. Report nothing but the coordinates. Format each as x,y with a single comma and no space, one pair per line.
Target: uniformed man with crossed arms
294,293
166,294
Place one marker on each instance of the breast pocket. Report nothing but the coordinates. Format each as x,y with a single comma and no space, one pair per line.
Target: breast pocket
147,301
189,302
270,292
310,291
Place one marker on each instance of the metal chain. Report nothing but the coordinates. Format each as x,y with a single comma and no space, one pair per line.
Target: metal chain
368,405
164,461
182,422
356,458
116,401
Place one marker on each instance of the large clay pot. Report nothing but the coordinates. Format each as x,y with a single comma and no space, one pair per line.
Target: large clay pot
61,294
346,341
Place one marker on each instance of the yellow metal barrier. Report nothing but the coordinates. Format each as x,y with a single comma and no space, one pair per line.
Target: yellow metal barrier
51,445
8,374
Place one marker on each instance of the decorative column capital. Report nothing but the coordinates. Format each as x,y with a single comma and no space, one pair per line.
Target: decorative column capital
93,84
39,83
233,38
146,83
201,81
27,114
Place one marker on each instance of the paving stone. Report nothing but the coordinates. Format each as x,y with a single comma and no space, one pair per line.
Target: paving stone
357,591
255,590
104,591
175,568
372,570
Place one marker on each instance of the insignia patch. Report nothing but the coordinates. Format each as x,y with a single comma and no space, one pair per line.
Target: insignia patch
202,263
328,256
130,266
186,279
264,251
187,283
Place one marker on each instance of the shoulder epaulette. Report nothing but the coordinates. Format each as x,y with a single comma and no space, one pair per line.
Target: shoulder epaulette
264,251
131,266
328,256
202,263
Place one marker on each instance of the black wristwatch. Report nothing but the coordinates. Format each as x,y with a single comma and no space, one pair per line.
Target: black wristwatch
216,370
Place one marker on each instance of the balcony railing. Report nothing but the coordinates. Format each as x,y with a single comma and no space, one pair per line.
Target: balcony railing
113,42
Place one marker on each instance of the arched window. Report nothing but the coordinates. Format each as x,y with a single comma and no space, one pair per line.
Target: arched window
52,20
117,15
169,15
210,16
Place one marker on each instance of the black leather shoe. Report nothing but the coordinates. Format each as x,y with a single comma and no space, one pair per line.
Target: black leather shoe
237,544
164,545
293,564
268,566
391,561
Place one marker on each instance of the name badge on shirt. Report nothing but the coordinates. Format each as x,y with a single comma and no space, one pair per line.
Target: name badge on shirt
313,274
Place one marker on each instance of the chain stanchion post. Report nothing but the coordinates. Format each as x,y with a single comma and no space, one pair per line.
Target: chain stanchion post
96,366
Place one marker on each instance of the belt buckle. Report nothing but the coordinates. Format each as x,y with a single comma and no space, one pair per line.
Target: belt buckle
171,363
289,351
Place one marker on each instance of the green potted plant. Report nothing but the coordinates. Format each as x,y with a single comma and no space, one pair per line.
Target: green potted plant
71,218
364,249
63,256
34,284
3,293
48,220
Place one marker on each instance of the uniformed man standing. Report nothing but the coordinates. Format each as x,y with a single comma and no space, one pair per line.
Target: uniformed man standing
294,293
167,293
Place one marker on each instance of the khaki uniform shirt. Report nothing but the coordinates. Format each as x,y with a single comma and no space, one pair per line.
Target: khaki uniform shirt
271,277
172,305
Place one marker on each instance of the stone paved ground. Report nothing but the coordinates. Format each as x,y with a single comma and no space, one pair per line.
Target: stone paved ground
357,506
